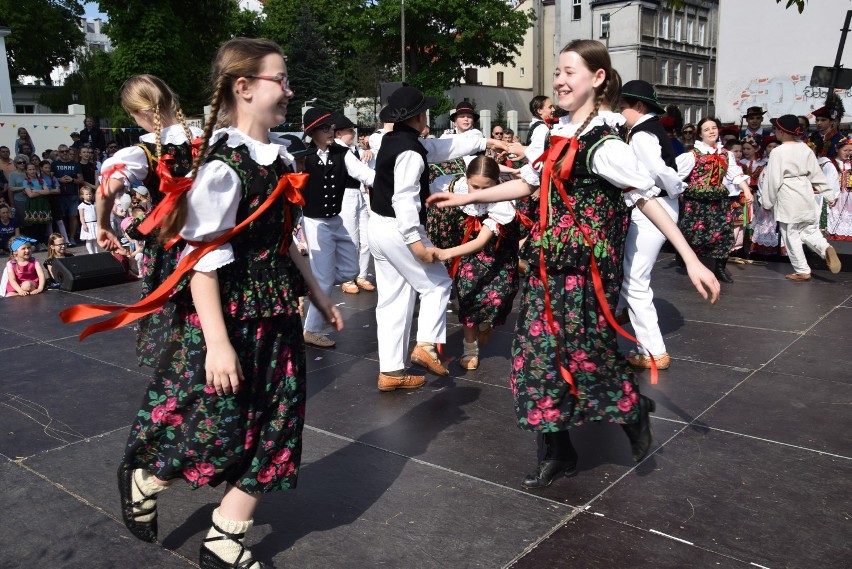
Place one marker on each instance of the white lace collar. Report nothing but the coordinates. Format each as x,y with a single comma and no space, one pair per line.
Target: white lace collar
262,153
474,209
173,134
706,149
609,118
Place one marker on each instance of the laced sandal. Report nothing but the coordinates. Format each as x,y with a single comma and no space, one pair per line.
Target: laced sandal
207,559
132,510
469,362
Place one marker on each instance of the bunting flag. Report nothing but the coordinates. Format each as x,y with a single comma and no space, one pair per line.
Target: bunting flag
125,129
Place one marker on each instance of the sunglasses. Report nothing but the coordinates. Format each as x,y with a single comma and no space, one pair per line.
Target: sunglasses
496,132
20,163
689,132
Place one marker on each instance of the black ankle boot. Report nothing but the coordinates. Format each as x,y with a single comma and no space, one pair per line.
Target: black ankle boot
720,272
560,458
639,432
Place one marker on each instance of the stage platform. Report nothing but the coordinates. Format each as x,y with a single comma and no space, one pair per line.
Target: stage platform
751,464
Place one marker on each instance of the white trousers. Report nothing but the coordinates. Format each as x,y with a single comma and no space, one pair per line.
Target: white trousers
794,235
641,248
355,214
400,277
333,260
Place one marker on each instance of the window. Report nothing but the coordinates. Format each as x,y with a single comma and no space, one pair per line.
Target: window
699,76
576,9
690,31
688,81
698,115
470,76
664,26
90,28
664,72
604,25
499,78
687,115
701,30
678,29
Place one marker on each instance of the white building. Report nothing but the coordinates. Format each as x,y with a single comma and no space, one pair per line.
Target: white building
772,69
96,40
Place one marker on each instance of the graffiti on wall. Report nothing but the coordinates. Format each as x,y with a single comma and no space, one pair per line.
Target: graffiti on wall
786,95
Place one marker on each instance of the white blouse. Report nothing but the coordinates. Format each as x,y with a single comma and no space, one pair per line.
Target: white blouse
733,175
136,161
613,160
215,196
499,213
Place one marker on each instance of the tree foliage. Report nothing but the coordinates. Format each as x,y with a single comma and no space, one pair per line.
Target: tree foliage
44,35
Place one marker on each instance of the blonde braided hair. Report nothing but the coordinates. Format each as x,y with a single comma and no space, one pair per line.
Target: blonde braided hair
158,131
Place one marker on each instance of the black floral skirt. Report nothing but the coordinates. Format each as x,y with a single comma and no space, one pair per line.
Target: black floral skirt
486,285
707,226
606,385
153,331
252,439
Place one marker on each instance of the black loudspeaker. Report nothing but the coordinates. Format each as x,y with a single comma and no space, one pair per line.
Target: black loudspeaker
88,271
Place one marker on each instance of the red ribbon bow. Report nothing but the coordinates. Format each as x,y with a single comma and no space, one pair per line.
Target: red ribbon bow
173,188
471,224
290,185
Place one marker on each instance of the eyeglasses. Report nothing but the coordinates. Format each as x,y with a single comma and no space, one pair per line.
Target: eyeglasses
20,163
283,81
60,244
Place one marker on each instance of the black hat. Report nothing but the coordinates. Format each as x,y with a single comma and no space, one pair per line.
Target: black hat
295,146
315,117
405,103
464,107
341,121
754,112
642,91
828,113
788,124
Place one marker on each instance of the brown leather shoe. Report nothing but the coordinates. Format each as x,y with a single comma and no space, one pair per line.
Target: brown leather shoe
832,260
469,362
389,382
350,287
318,340
641,361
798,277
365,284
423,358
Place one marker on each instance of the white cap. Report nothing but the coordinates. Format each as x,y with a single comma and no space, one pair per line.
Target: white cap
141,190
125,201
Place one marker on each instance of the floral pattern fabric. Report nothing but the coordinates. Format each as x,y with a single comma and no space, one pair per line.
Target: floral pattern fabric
251,439
706,219
606,385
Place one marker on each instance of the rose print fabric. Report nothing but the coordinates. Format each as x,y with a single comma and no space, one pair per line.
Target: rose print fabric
706,220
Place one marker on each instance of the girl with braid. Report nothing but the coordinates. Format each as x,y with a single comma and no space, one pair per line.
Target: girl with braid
164,151
226,404
566,369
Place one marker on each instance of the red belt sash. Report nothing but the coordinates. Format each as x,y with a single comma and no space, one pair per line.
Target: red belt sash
569,146
290,185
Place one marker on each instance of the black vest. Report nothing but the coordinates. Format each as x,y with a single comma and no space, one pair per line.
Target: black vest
327,182
654,127
401,139
350,181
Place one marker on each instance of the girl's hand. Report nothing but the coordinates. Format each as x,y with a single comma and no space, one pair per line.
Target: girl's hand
703,280
495,144
109,242
441,254
224,372
447,199
328,310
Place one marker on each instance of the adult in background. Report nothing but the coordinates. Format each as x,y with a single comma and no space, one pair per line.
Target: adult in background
6,162
92,135
793,175
670,126
70,177
687,136
111,149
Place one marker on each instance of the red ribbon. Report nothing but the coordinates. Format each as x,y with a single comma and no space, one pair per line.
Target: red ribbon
550,158
471,223
106,175
173,188
290,185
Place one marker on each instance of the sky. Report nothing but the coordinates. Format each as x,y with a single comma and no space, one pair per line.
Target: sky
91,10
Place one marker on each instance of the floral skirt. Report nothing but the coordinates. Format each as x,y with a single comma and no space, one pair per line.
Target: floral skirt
37,211
707,226
486,286
251,440
153,331
607,389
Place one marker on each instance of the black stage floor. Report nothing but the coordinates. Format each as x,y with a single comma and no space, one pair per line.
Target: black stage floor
751,467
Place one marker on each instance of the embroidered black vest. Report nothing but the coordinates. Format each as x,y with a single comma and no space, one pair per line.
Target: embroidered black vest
324,192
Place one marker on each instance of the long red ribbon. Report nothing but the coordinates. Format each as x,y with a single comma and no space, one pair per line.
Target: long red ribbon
172,188
472,224
290,185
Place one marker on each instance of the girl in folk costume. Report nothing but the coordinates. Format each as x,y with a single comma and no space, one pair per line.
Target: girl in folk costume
839,220
162,157
765,239
566,367
740,211
706,220
227,402
485,270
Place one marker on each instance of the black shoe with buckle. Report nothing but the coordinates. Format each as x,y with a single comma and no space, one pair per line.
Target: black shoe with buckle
559,458
131,511
209,560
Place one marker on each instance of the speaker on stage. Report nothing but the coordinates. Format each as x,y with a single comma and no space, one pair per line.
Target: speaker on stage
88,271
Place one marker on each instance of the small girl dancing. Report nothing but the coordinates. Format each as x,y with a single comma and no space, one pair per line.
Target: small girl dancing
485,270
88,220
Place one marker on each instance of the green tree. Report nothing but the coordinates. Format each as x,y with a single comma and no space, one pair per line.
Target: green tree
499,115
91,83
443,37
45,34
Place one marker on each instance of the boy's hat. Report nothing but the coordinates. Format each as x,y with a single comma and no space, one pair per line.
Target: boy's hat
767,140
754,112
141,190
294,144
316,117
788,124
668,123
405,103
19,241
845,141
643,91
832,114
341,121
730,129
464,107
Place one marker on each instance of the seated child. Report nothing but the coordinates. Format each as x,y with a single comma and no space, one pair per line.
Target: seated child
24,275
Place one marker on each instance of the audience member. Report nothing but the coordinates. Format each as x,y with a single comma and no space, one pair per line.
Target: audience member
23,275
70,176
56,249
92,135
7,165
24,143
8,227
